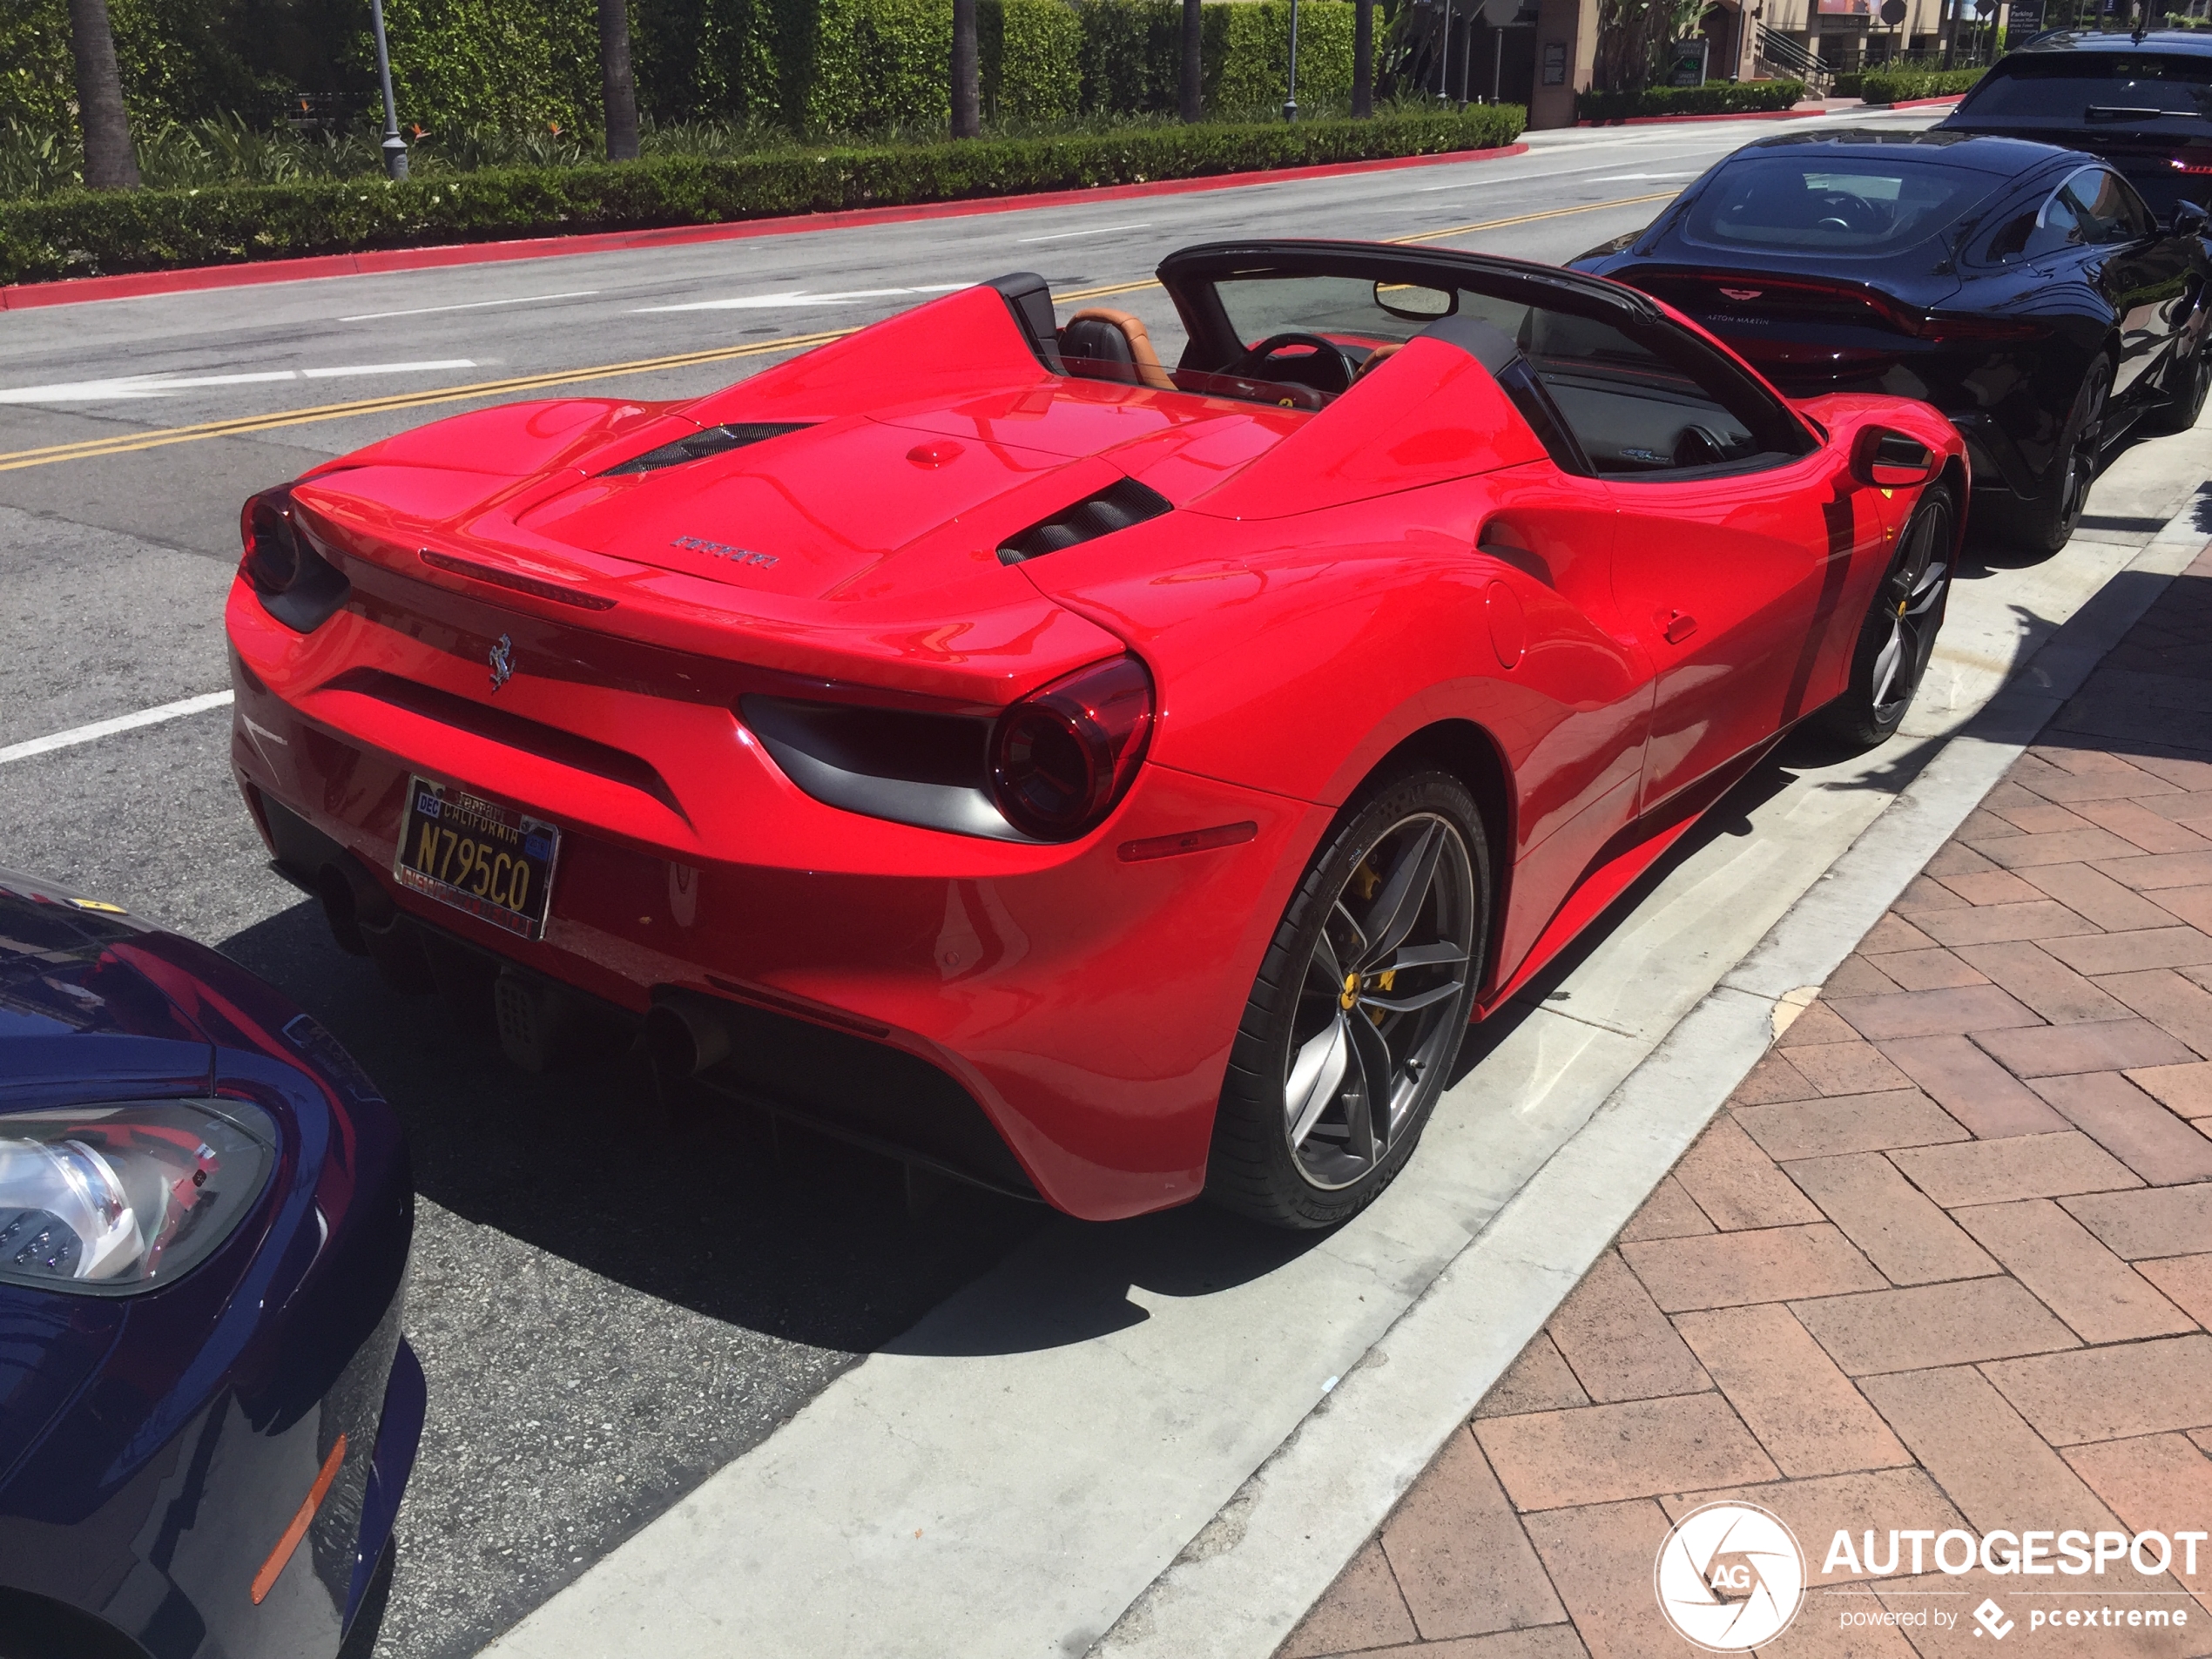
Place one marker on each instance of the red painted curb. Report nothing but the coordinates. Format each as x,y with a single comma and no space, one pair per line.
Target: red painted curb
1665,120
137,285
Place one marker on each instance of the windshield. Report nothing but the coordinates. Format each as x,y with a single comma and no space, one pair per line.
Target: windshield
1842,205
1352,308
2099,87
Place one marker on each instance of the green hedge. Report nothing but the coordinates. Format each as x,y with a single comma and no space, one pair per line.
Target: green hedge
1901,85
874,66
86,233
1715,98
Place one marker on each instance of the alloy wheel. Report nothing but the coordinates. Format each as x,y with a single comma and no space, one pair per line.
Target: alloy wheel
1913,598
1380,1006
2086,451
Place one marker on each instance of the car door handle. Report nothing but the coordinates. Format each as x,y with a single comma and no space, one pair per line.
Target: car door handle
1676,625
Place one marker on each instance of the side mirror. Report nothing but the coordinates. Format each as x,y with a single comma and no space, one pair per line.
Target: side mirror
1891,461
2190,219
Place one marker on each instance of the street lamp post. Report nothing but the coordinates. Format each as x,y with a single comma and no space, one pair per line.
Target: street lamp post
1444,58
395,147
1290,100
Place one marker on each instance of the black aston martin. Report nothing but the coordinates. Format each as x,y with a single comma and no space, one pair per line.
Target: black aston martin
2025,290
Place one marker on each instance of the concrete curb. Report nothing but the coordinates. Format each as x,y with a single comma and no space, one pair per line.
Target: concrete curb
1243,1582
139,285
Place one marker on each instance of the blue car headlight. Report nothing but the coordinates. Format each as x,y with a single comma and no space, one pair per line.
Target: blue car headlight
114,1199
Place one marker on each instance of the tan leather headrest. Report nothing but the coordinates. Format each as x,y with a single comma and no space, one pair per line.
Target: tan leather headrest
1148,371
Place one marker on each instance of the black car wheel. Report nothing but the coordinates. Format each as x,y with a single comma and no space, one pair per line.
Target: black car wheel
1899,633
1358,1013
2046,524
2188,380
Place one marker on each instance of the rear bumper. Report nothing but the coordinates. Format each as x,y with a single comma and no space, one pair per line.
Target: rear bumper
1053,1017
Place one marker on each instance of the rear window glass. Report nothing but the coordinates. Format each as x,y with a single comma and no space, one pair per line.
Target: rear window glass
1836,205
2098,87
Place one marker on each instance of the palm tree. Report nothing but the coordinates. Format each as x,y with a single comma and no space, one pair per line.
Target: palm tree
1193,61
110,163
621,90
1363,58
968,118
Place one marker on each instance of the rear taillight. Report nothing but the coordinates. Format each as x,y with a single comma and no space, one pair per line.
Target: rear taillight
1061,757
2194,158
297,584
272,545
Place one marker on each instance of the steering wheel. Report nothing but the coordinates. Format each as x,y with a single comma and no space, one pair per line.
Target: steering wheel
1841,211
1335,370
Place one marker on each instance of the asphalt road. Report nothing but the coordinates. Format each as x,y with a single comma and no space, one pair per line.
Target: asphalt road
607,1313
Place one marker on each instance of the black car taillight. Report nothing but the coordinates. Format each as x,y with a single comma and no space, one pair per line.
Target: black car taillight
1061,757
296,583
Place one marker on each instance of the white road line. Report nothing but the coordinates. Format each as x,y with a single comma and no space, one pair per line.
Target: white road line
108,728
801,297
473,304
1103,230
388,369
1629,177
132,386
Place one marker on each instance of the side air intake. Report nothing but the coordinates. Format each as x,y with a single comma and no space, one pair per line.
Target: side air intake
1115,507
713,441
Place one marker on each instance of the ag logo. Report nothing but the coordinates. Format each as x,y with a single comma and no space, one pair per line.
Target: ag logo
1729,1577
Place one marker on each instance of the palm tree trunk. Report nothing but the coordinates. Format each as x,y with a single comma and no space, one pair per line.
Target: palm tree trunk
1192,99
109,161
1363,59
968,100
621,90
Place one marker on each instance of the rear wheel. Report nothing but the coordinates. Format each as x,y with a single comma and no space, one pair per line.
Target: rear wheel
1899,633
1351,1028
2046,524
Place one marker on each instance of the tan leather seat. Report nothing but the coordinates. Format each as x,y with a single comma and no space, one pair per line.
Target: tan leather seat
1105,345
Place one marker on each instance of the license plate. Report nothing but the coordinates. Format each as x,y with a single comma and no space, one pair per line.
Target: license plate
478,856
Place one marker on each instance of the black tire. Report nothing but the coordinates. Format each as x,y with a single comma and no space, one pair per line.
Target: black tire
1899,633
2188,381
2048,523
1404,873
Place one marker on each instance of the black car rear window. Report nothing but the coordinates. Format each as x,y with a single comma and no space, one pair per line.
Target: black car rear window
2168,90
1845,205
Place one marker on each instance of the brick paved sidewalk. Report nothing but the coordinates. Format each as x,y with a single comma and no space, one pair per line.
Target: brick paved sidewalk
1945,1260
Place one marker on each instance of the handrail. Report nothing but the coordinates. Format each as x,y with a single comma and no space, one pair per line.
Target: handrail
1778,48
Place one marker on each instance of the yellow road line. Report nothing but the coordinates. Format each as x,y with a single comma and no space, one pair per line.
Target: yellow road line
1530,219
122,442
129,442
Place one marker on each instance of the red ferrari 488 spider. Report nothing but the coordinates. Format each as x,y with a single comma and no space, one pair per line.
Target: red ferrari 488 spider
1105,781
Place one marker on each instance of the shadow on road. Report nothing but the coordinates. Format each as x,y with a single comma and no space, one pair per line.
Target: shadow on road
790,1234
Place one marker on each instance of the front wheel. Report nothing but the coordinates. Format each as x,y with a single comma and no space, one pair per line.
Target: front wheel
1899,633
1349,1035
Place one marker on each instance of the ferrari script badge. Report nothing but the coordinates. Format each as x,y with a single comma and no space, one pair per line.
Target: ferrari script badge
503,662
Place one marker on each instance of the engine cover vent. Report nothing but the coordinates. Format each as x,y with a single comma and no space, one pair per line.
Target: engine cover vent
1115,507
714,440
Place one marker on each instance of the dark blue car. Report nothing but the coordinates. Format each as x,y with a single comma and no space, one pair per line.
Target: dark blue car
207,1414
